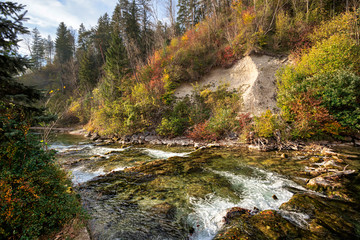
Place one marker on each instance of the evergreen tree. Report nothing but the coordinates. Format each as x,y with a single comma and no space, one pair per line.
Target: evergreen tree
102,37
13,94
183,14
117,64
49,50
63,44
84,38
88,72
38,49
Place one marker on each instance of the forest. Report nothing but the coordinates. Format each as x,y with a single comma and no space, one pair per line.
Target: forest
119,77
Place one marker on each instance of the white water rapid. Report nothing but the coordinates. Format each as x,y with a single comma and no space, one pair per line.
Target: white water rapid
255,191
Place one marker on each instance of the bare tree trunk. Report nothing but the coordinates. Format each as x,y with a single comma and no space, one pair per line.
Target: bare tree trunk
171,13
307,10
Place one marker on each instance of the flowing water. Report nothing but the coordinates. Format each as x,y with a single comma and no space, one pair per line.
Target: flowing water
175,193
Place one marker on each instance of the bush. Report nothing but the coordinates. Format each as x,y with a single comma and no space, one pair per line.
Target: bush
177,121
200,132
340,94
310,116
266,124
324,79
35,196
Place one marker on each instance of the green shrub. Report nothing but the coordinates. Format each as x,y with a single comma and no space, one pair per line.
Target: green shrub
326,77
266,124
177,121
340,94
35,195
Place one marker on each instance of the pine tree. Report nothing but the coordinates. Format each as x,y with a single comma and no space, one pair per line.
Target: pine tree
102,37
84,38
38,49
63,44
88,72
13,94
117,64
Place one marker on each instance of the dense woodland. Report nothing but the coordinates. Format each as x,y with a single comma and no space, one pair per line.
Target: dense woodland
119,78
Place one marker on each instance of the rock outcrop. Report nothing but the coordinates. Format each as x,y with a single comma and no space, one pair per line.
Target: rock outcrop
253,76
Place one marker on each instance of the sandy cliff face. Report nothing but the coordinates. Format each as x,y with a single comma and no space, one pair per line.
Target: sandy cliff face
253,76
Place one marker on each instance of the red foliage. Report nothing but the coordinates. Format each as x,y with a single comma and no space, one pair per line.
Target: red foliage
299,39
308,108
244,120
226,57
311,118
200,132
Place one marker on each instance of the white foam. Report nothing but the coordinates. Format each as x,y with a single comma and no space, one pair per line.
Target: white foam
255,191
118,169
162,154
81,175
297,218
207,217
86,149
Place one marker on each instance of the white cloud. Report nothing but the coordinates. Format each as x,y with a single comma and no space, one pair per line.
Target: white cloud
46,15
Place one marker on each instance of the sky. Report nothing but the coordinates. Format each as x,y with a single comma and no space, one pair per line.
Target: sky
46,15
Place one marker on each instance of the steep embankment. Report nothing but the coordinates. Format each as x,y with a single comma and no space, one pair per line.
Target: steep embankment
253,76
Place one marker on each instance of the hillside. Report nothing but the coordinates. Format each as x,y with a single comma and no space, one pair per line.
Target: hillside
131,84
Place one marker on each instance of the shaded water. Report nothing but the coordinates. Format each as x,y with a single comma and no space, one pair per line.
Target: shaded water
131,193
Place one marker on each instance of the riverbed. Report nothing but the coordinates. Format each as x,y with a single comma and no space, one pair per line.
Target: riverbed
158,192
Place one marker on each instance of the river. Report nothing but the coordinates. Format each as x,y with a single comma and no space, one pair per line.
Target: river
157,192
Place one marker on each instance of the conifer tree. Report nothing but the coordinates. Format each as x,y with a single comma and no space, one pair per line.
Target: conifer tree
117,64
63,44
88,72
49,50
84,38
13,94
183,14
101,37
38,49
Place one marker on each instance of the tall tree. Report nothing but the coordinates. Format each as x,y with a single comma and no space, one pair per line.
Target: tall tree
38,49
11,63
88,72
101,37
183,14
63,44
84,38
49,50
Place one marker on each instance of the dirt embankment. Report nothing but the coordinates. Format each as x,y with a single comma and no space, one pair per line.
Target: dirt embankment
253,76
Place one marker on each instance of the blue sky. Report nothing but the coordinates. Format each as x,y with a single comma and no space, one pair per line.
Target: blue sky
46,15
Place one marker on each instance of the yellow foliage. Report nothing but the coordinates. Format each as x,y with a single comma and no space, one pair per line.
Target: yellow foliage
205,93
248,17
174,42
185,38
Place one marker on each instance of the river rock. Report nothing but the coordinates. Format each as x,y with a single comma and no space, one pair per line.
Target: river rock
150,138
266,224
165,210
95,137
88,134
326,216
235,212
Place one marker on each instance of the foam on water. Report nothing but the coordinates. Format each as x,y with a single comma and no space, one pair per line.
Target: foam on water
255,191
162,154
86,149
81,175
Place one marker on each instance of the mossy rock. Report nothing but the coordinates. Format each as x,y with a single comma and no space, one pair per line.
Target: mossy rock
267,224
330,218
